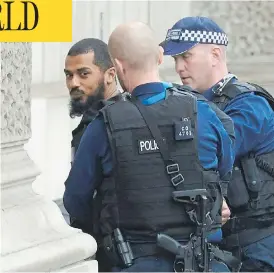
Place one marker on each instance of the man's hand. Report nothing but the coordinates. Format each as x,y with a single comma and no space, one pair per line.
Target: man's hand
225,212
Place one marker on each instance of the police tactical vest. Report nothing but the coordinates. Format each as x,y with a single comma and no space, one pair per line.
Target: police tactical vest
137,197
251,189
224,118
233,89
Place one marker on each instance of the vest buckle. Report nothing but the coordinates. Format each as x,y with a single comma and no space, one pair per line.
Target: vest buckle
177,180
172,168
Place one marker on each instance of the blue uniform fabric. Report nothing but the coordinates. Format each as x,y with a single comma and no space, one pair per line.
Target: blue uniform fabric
93,158
253,120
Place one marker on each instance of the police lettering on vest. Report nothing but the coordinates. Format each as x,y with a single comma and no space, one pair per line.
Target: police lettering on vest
182,132
147,146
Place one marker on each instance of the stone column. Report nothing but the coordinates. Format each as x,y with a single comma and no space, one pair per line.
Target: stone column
35,237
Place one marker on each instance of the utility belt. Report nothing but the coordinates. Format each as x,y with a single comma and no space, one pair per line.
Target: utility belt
237,224
188,255
196,255
258,174
240,232
122,253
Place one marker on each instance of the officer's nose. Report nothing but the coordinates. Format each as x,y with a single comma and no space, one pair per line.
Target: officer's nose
180,65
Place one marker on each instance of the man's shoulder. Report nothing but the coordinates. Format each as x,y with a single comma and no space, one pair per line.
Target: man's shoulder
249,109
204,108
250,100
95,127
179,88
242,90
208,119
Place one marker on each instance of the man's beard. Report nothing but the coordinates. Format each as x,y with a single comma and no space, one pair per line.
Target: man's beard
77,107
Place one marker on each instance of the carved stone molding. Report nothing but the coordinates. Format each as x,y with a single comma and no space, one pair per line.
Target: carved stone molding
15,91
249,25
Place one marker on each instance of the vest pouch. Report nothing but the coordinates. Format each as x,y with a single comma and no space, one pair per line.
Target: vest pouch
109,251
237,192
251,176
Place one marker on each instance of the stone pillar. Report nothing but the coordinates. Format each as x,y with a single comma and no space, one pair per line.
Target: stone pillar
35,236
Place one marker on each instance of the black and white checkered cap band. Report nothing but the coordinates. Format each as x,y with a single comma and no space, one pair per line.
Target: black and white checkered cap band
203,37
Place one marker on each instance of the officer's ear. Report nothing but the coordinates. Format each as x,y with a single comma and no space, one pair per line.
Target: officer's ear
110,75
119,66
161,55
216,55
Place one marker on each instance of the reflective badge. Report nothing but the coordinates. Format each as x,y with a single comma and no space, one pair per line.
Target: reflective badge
147,146
183,130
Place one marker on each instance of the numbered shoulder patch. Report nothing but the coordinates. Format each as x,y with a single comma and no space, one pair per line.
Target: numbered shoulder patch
183,130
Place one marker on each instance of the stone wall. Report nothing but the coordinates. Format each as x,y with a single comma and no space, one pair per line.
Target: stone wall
249,25
15,91
250,29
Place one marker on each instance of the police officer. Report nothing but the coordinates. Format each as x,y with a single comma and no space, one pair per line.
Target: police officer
90,78
198,46
146,157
